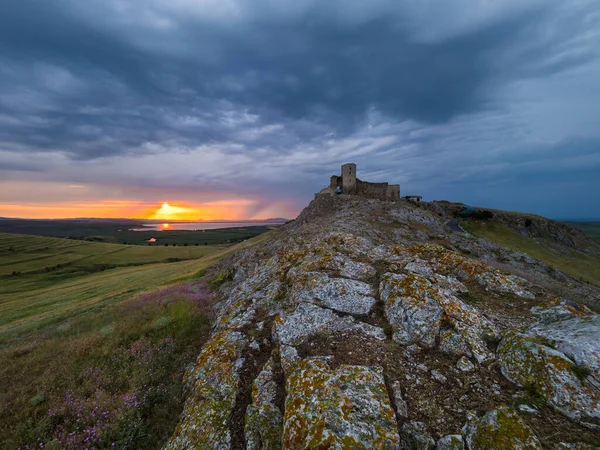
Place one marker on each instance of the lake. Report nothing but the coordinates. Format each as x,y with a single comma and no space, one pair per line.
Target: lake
194,226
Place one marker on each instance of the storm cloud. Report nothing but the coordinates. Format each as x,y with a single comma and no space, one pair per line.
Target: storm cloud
487,102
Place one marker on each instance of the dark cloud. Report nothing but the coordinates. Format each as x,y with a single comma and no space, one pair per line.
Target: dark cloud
432,93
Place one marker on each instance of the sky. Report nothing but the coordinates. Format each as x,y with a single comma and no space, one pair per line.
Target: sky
242,109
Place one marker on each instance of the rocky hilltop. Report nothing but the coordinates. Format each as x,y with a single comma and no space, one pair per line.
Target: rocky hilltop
371,325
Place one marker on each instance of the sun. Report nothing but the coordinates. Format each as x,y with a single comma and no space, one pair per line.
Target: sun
169,212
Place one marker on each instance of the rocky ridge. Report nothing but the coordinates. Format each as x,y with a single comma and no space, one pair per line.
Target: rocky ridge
366,324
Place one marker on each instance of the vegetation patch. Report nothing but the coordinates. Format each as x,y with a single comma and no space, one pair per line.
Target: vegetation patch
111,379
579,265
222,277
580,371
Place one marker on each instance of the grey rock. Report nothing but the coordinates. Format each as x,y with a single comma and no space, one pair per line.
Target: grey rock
411,309
414,308
554,309
500,425
578,338
416,436
527,409
450,442
464,365
437,376
525,359
341,294
308,320
348,407
401,405
264,419
214,386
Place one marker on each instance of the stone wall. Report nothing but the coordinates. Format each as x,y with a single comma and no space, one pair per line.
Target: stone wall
393,193
335,182
371,190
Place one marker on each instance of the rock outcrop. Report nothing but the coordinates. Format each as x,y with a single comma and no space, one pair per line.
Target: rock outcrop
369,325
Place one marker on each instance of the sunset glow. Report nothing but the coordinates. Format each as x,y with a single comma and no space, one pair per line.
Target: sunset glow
56,200
225,210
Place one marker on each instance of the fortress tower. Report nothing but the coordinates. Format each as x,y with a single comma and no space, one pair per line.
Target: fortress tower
350,185
349,178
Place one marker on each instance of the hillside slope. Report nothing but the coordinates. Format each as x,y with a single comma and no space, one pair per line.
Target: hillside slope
62,278
97,361
365,324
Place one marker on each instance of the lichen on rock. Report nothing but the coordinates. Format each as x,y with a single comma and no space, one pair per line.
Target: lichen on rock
341,294
308,320
450,442
500,429
578,338
341,408
264,419
412,309
421,313
529,360
213,390
448,262
554,309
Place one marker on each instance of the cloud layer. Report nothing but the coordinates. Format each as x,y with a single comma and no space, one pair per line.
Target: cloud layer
486,102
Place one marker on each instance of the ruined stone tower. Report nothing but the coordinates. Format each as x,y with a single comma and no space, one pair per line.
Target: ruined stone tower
349,178
351,185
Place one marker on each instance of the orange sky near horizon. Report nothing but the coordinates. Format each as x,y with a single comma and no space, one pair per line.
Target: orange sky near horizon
55,200
219,210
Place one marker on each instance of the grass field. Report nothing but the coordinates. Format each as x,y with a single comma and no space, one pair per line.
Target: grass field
28,263
577,264
96,360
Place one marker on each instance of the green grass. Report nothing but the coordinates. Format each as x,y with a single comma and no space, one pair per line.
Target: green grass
101,355
577,264
33,262
26,307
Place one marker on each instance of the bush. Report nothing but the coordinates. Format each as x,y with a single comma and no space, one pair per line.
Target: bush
221,278
479,214
482,214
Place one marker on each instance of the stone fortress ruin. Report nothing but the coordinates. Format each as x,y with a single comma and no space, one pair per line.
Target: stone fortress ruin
348,184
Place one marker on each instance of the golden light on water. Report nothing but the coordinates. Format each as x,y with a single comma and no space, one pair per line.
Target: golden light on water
165,226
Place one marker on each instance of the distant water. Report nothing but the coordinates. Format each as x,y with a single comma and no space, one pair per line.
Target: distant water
192,226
